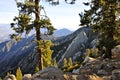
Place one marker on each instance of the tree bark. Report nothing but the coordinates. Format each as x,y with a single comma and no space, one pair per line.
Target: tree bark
38,34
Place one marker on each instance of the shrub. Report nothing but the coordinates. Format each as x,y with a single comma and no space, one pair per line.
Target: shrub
55,63
94,52
18,74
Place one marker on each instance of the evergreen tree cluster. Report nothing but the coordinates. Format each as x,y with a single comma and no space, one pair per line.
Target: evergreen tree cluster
103,18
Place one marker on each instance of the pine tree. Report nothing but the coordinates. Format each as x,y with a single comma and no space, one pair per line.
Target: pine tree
65,63
18,74
70,63
45,46
36,69
102,17
55,63
88,51
29,18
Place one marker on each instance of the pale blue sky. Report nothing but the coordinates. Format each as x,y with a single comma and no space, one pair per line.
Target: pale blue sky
62,16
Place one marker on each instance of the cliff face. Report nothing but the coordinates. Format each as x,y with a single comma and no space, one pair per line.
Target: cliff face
24,54
74,45
12,53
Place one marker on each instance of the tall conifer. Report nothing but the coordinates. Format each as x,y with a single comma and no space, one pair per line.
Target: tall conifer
103,18
30,18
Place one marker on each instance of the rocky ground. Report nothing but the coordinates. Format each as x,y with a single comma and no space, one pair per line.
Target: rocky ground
91,69
99,69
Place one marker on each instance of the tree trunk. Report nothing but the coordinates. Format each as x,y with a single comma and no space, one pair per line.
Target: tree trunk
37,17
109,18
109,44
108,53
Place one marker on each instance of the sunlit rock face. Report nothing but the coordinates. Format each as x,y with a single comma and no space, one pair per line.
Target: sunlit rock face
116,51
74,45
10,77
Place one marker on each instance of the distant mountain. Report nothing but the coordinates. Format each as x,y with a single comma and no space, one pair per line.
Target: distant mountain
24,55
6,30
62,32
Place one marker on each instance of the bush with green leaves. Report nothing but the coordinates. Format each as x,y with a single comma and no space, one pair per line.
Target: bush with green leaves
94,52
67,64
36,69
54,63
45,47
19,74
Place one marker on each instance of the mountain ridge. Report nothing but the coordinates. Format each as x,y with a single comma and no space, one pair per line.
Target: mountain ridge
23,53
62,32
6,30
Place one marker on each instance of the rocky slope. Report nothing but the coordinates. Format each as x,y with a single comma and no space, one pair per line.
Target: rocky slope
23,53
74,45
94,69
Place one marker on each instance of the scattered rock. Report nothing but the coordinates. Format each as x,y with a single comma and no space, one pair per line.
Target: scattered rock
102,72
66,77
94,77
69,77
50,73
76,71
85,71
116,51
10,77
27,77
82,77
89,59
107,77
115,74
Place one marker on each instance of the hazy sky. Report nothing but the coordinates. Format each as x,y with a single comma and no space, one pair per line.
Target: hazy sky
62,16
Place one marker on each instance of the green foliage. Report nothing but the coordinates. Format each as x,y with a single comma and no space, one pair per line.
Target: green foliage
94,52
46,51
36,69
29,18
102,17
65,63
55,63
70,69
70,63
25,22
18,74
0,78
88,52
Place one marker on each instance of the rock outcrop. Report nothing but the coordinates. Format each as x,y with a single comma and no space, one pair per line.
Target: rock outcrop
50,73
116,51
115,74
108,69
10,77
